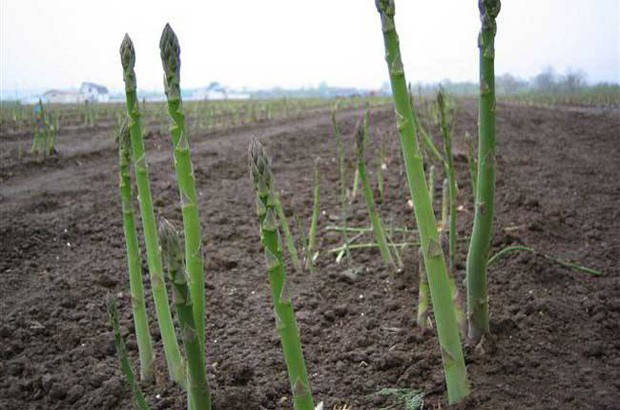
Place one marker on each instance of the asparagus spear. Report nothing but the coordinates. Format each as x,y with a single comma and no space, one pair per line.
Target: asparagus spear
447,328
197,387
140,318
477,257
171,61
139,401
286,324
176,367
375,219
315,218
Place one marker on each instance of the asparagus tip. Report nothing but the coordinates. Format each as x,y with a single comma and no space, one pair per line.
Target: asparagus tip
170,49
259,162
385,7
168,236
128,54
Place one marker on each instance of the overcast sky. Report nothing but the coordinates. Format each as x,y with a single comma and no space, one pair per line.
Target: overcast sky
291,43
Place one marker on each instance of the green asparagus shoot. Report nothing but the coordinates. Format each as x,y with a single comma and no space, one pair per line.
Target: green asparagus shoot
171,61
443,306
477,257
138,397
375,218
134,261
286,325
197,387
176,366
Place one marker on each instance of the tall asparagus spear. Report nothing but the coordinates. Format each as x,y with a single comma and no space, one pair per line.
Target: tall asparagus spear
176,367
447,328
197,387
286,325
171,61
140,318
477,257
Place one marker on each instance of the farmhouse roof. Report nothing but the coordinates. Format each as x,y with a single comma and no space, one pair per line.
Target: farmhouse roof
100,88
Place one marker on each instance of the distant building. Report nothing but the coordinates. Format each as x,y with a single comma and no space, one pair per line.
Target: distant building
88,92
215,91
92,92
62,96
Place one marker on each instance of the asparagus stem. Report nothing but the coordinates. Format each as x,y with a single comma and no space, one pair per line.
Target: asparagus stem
445,202
446,133
286,325
290,242
375,219
443,306
171,62
197,387
138,397
380,167
423,292
138,303
315,219
477,299
471,162
344,204
447,146
176,367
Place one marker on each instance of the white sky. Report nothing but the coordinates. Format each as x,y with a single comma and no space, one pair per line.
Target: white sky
292,43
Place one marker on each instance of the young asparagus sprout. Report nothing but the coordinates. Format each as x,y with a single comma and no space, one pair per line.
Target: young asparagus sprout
477,257
134,262
344,204
316,209
448,207
286,325
423,319
197,387
443,306
290,241
138,397
375,219
451,174
176,366
171,62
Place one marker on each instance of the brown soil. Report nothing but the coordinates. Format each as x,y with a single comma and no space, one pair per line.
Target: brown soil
555,331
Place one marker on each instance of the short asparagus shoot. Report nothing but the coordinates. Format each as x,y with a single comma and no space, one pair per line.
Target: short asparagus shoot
375,219
138,397
286,325
316,209
197,387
